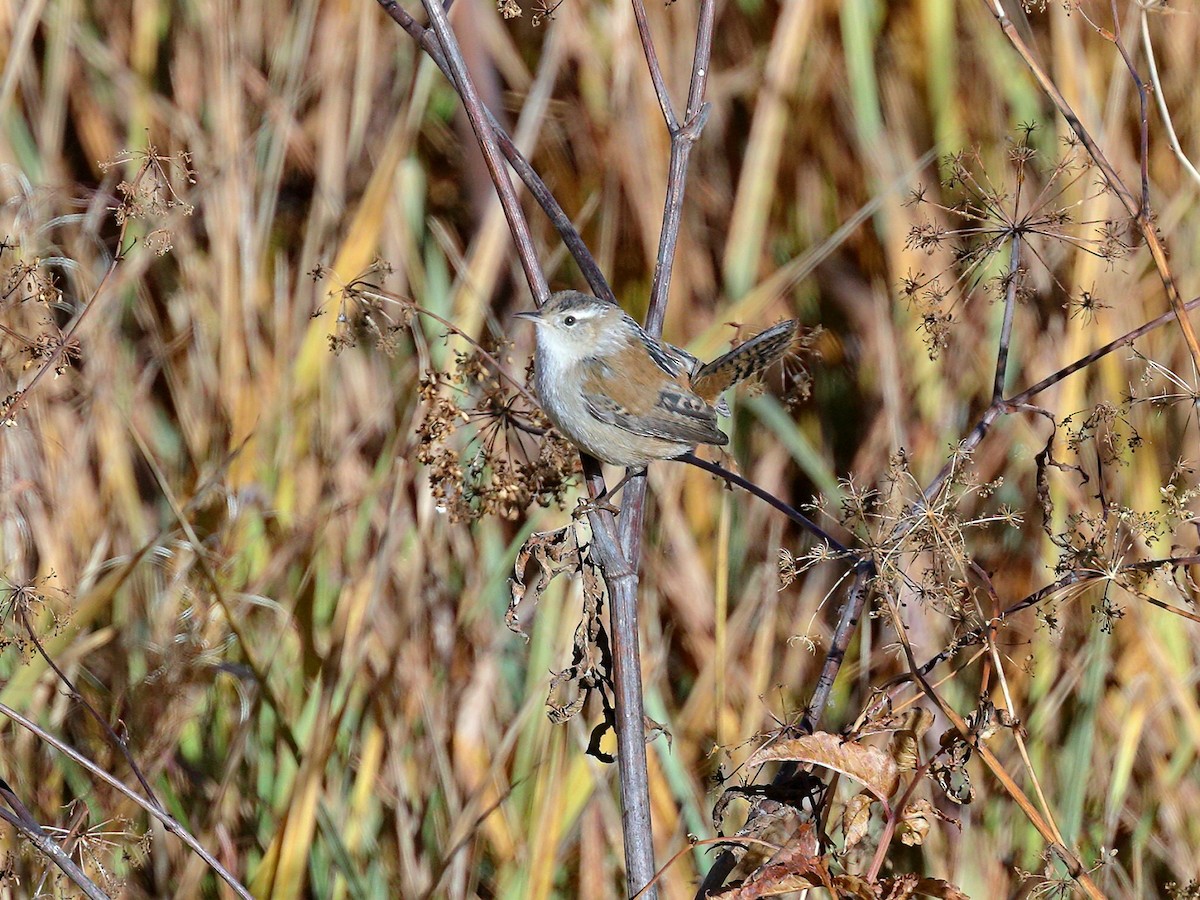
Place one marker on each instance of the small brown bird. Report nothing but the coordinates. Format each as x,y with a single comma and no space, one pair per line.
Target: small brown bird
625,398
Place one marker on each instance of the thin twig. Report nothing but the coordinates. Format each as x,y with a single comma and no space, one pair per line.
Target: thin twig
682,138
715,842
485,134
1145,224
1010,304
22,820
248,647
562,223
1161,101
656,75
1085,361
66,340
79,698
700,61
1143,110
171,824
374,291
1070,579
56,854
1018,401
763,494
843,634
1030,769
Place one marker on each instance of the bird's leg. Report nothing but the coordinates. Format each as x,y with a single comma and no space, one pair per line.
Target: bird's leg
601,500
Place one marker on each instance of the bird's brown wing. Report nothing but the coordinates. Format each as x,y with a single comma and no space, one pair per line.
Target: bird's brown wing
675,415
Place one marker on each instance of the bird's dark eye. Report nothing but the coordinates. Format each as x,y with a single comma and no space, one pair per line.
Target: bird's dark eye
569,321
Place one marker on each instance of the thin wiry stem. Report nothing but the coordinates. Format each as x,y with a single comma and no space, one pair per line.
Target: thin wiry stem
1019,401
66,340
1085,361
171,824
1010,303
1143,109
1140,215
682,138
847,626
562,223
22,820
485,134
763,494
1070,579
1161,101
75,695
656,75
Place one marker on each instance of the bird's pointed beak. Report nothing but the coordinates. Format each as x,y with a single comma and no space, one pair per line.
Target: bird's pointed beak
532,315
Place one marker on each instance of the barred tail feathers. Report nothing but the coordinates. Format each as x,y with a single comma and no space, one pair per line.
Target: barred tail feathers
759,353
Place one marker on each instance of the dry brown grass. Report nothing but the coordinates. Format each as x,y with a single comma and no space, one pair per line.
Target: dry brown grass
307,659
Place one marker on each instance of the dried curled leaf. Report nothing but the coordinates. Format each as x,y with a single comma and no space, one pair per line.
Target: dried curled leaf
949,768
914,823
869,766
591,664
853,887
855,818
771,831
554,552
920,887
906,740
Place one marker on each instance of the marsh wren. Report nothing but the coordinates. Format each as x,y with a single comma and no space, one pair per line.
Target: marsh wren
624,397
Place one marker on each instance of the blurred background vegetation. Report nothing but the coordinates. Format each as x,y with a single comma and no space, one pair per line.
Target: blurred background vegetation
242,566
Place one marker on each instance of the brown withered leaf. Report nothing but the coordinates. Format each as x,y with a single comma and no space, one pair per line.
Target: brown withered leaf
853,887
984,721
796,867
560,715
937,887
876,714
554,552
773,828
914,823
955,782
899,887
940,888
1043,462
804,791
591,666
856,817
869,766
906,740
949,768
654,728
